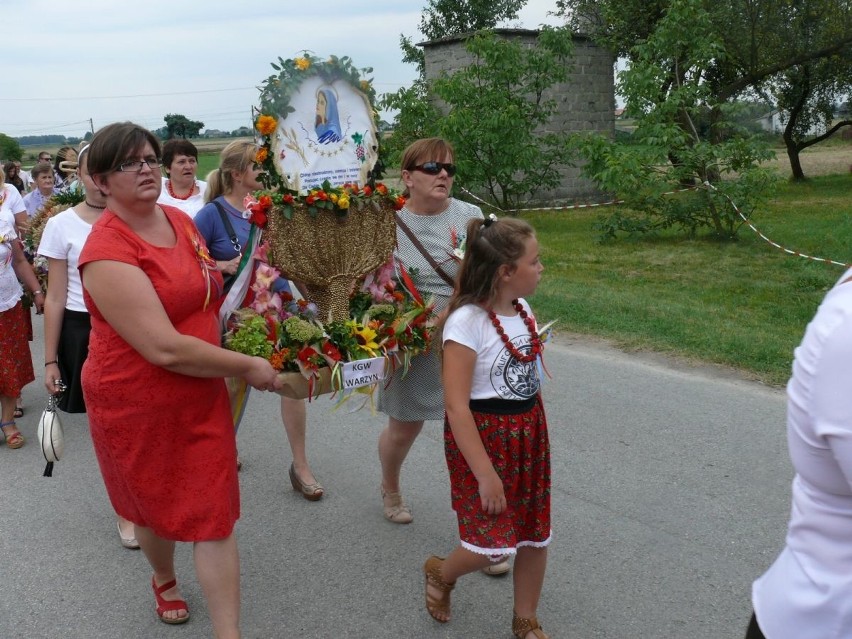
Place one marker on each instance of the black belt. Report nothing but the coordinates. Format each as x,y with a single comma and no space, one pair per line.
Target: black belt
498,406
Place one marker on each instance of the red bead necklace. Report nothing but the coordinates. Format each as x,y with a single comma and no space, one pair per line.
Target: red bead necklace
535,341
178,197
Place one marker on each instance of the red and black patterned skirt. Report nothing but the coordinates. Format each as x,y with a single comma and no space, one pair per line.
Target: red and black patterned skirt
519,448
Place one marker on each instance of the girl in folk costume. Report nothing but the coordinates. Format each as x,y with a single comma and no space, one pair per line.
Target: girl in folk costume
495,432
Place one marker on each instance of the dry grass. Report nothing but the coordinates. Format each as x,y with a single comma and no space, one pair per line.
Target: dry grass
825,159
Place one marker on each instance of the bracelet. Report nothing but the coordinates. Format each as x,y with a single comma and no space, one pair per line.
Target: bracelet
53,361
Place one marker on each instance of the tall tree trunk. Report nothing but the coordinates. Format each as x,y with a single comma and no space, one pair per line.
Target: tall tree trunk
793,155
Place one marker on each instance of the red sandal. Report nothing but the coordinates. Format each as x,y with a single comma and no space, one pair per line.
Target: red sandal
164,606
16,439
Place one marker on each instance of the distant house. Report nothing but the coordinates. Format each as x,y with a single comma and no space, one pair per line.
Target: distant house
774,122
619,113
215,133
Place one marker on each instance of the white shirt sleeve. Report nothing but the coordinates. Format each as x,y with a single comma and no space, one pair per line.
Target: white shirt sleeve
831,399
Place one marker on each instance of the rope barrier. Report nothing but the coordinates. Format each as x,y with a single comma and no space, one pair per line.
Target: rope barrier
567,207
824,260
706,186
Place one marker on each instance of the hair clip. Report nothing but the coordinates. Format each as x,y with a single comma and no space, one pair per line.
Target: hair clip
488,221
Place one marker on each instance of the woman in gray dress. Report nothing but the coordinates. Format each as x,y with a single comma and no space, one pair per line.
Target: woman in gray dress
438,222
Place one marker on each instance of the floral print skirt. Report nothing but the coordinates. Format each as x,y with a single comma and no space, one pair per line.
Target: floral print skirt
519,448
16,363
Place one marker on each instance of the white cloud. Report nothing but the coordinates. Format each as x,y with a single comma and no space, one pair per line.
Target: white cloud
113,61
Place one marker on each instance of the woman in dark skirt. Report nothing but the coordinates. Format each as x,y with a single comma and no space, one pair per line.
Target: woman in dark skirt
66,320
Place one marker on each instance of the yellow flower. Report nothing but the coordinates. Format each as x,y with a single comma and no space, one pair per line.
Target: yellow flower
343,201
302,63
266,124
261,155
366,338
365,85
333,198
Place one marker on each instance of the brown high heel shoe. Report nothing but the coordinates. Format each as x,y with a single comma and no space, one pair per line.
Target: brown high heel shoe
311,492
522,626
434,577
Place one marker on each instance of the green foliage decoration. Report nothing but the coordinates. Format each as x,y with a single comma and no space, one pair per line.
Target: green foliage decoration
278,88
250,338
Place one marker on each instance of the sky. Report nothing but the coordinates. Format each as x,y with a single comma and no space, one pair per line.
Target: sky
71,62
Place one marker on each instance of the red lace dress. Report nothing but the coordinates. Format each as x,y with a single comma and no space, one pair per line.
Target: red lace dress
164,441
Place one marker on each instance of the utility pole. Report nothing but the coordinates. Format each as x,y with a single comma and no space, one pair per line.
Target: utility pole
92,126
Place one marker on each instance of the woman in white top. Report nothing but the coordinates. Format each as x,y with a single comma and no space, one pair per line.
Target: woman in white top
66,320
12,205
14,211
181,188
807,592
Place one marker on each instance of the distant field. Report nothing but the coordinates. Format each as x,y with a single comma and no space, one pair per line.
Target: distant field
828,158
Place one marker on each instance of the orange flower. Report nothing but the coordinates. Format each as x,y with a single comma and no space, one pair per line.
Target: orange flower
277,360
310,199
365,85
322,195
287,198
399,203
261,155
368,191
302,63
381,188
266,124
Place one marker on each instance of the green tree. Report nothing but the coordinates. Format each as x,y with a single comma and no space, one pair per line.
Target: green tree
798,51
443,18
806,95
496,111
9,148
180,126
416,117
684,136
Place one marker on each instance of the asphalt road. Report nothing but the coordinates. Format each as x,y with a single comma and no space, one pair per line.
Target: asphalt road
670,495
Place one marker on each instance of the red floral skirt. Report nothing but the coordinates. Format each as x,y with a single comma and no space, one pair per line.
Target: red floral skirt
519,448
16,363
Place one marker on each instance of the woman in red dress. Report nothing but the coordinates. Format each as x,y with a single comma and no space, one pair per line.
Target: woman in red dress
158,407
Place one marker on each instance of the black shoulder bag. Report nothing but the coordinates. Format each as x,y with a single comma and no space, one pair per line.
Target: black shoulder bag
229,228
435,266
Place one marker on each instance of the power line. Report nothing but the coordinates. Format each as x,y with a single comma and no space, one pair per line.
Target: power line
121,97
155,95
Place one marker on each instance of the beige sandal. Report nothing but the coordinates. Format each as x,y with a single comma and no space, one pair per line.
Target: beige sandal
432,570
522,626
395,508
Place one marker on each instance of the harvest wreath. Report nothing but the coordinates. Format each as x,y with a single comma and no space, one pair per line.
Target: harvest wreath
388,323
328,225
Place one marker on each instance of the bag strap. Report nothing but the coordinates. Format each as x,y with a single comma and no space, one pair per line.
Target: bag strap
435,266
229,228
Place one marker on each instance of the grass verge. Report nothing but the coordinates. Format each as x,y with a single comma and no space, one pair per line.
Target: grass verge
742,304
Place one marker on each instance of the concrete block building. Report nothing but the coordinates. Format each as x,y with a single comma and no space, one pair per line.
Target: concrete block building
586,102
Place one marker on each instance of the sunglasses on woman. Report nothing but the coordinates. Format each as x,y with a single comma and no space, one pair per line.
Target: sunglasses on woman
434,168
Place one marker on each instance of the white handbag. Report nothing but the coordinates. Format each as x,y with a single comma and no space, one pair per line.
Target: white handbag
50,435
